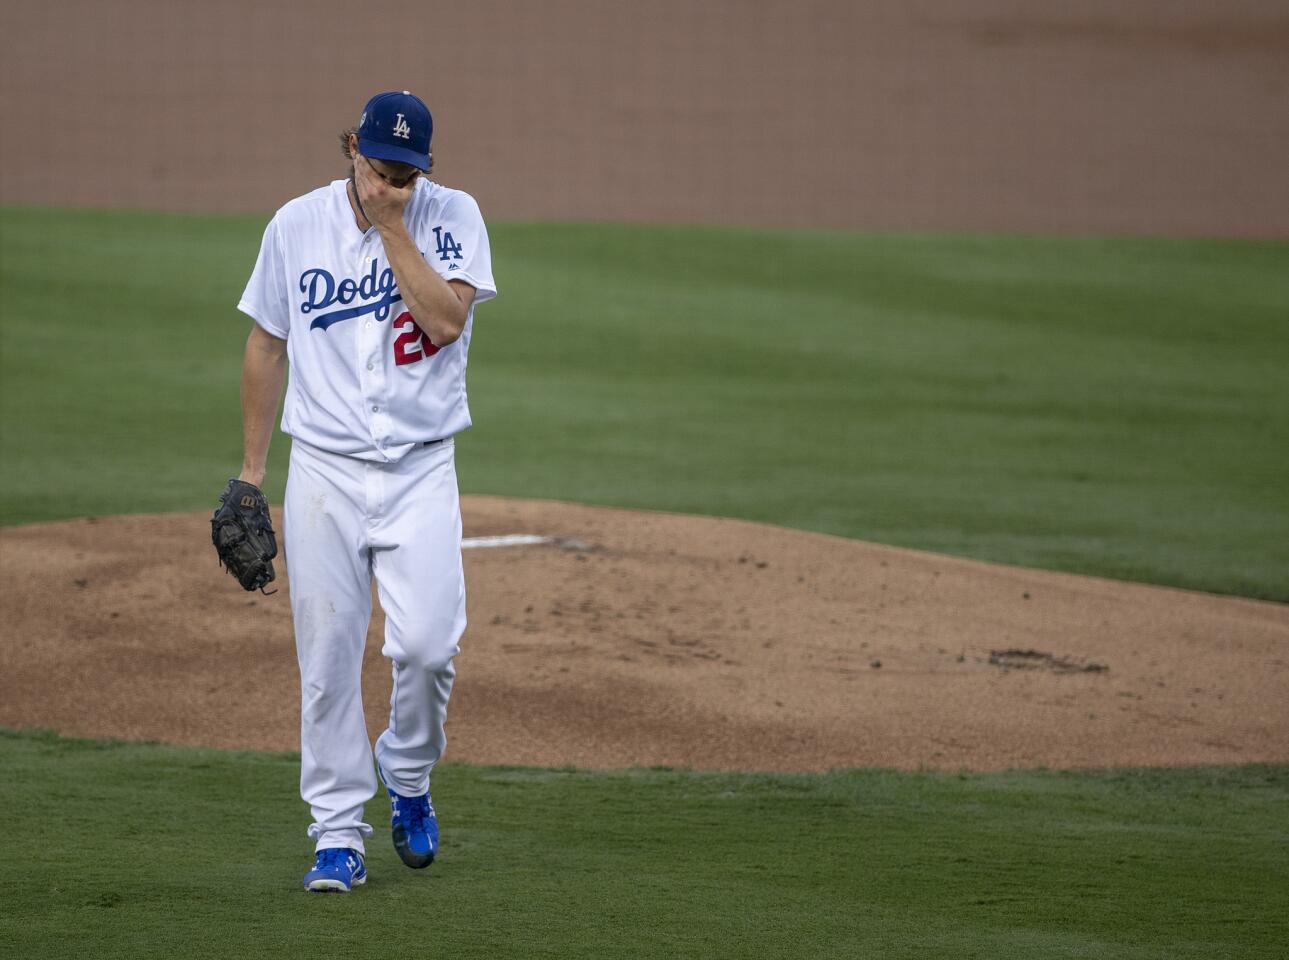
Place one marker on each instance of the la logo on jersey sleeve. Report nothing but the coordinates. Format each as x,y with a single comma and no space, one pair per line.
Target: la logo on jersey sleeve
446,247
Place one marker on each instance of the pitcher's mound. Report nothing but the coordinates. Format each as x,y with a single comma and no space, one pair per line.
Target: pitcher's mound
646,638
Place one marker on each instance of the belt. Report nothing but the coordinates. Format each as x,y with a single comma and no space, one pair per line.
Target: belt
432,443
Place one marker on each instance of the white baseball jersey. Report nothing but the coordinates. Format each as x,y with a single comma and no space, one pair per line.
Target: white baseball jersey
363,380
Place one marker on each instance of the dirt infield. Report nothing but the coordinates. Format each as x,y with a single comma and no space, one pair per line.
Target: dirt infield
648,638
1159,116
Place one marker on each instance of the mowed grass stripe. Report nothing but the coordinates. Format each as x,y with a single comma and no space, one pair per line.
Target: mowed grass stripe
1104,406
145,850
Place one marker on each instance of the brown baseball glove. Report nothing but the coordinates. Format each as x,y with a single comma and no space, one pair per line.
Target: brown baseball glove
243,535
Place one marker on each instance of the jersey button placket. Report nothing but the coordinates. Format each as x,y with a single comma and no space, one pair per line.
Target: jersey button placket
369,357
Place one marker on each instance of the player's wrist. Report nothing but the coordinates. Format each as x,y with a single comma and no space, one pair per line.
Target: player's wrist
253,475
392,226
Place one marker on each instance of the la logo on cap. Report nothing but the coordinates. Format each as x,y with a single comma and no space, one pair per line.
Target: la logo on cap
396,127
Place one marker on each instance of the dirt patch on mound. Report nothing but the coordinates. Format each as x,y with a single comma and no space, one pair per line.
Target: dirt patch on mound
647,638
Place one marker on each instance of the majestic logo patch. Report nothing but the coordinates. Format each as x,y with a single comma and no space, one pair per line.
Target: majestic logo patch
378,289
401,129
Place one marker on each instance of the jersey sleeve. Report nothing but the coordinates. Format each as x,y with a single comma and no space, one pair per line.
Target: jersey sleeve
265,298
458,247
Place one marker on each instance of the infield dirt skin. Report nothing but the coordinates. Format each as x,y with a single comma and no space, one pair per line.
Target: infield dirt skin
636,638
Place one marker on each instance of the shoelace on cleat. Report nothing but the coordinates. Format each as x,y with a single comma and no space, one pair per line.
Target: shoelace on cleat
332,858
415,813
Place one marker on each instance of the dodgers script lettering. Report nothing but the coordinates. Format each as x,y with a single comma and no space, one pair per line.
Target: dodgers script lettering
377,290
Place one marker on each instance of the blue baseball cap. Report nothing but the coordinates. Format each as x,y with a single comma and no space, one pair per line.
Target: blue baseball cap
397,127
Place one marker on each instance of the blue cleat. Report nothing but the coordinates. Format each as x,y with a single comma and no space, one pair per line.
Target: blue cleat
415,829
336,870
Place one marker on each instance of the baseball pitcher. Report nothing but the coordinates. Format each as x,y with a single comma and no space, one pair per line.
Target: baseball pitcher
365,289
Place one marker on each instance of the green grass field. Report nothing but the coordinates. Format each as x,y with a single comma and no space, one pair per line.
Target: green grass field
139,851
1114,407
1110,406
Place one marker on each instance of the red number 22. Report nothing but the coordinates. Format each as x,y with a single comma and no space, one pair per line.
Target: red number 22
412,344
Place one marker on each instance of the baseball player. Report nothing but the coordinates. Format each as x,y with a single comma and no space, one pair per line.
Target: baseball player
366,289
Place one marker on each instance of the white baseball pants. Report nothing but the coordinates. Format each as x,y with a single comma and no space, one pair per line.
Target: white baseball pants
345,521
